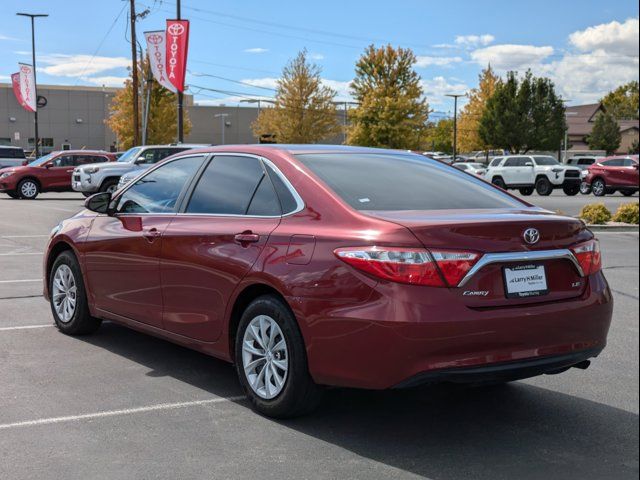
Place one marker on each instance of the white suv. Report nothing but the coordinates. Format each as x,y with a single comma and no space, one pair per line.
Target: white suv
527,173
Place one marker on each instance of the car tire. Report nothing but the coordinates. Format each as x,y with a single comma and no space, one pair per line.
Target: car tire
110,185
543,187
289,390
571,190
499,182
28,189
599,187
68,297
526,191
585,188
627,193
87,194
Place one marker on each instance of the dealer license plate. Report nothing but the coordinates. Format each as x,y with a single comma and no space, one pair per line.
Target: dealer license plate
525,281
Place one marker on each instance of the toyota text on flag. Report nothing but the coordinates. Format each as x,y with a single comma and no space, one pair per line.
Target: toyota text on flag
177,40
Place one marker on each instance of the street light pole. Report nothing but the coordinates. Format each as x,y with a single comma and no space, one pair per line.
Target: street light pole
455,122
222,116
33,16
180,94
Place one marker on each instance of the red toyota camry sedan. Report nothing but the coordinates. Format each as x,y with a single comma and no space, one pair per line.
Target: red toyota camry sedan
310,266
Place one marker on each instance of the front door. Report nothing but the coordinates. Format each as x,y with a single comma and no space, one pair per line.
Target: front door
122,253
214,243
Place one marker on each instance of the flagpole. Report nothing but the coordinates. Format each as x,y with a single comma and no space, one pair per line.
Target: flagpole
180,96
35,82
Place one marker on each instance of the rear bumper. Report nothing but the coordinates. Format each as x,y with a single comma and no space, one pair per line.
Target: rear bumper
505,371
404,332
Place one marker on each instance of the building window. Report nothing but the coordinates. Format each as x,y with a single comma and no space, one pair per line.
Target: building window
44,142
5,141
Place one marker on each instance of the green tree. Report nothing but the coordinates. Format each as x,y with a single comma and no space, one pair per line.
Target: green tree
623,102
523,115
163,115
304,109
605,134
392,111
439,136
634,149
469,120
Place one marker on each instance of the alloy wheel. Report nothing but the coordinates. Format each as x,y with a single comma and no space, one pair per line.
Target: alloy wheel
28,189
64,293
598,188
265,358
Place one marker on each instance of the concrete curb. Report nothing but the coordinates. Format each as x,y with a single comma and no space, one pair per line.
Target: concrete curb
613,228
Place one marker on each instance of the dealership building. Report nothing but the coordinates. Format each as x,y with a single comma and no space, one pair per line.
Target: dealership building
74,116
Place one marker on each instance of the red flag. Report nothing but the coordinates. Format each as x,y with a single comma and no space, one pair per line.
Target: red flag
177,45
15,81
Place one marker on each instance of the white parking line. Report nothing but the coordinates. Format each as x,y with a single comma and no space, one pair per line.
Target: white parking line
20,253
25,327
23,236
22,281
114,413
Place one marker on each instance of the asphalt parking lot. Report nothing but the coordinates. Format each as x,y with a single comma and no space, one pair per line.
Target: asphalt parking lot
120,404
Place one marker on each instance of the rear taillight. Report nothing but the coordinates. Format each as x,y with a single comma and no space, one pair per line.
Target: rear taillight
415,266
588,256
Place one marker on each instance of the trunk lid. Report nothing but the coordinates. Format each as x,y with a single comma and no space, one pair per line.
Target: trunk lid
500,231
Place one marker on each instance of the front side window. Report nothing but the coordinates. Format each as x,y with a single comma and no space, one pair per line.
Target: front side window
385,181
63,161
546,161
227,186
159,191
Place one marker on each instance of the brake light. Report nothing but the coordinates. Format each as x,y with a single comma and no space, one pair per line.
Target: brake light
415,266
588,256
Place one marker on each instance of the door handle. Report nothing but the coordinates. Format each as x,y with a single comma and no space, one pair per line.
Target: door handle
246,237
151,233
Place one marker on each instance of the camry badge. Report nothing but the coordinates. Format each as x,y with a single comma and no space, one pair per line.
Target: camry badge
531,236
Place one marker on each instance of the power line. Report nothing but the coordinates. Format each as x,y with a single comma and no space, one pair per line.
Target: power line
246,84
101,43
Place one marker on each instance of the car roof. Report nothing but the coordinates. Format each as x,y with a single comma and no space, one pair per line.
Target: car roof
56,152
11,146
296,149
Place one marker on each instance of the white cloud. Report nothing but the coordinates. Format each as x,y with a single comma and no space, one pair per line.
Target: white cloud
474,40
316,56
256,50
614,37
511,57
436,89
427,61
267,82
5,37
4,77
107,81
61,65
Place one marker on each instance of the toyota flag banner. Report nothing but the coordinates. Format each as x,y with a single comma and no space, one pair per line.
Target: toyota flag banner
27,87
177,40
15,81
156,49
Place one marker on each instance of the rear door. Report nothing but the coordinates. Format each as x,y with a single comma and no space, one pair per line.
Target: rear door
123,250
213,243
630,176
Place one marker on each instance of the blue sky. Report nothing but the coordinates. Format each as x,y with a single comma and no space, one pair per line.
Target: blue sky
586,47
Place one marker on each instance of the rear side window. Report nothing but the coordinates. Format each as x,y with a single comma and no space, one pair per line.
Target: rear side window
629,163
386,181
265,201
616,162
226,186
287,201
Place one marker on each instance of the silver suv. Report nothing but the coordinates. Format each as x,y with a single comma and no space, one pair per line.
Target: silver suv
11,156
104,177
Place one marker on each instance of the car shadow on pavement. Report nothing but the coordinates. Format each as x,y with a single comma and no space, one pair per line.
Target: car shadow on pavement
515,431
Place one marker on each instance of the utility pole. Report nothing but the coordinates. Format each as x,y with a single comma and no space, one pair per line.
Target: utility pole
134,72
180,95
33,16
455,121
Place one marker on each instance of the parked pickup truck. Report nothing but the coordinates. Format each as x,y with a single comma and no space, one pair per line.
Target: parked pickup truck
104,177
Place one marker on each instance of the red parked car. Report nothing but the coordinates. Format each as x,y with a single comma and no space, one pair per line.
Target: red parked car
50,173
612,174
332,265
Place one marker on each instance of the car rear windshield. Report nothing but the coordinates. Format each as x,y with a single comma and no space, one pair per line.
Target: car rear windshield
386,181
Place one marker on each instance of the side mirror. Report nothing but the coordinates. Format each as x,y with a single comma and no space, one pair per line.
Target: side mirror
528,164
140,160
98,202
48,166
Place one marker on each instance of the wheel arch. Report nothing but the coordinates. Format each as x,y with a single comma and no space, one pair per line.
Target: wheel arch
542,176
30,177
107,179
248,294
54,252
